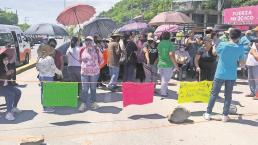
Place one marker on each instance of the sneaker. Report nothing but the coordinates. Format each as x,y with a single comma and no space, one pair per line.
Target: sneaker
48,110
207,116
94,106
225,118
16,110
82,107
9,116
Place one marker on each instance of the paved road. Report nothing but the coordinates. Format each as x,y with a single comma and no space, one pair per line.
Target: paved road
134,125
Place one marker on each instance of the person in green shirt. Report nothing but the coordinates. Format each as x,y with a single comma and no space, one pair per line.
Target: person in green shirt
166,62
225,37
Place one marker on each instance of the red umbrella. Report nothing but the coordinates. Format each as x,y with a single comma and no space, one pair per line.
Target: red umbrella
76,14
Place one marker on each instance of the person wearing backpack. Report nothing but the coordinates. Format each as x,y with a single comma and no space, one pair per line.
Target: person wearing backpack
114,53
91,58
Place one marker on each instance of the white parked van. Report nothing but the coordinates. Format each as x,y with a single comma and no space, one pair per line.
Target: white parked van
13,37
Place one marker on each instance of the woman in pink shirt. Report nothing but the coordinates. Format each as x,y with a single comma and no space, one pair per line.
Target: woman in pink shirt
91,58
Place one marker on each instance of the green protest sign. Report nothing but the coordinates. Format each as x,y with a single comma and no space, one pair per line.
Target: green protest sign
60,94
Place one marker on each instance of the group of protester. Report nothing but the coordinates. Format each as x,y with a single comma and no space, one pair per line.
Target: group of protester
142,57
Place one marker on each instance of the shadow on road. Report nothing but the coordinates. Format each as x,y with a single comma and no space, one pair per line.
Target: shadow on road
200,113
22,86
69,123
186,122
109,97
246,122
108,109
171,95
65,111
148,116
26,115
233,102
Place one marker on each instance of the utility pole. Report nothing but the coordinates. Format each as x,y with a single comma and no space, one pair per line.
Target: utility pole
26,19
64,3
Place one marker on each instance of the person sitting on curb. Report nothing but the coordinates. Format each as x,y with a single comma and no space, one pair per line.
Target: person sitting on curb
7,89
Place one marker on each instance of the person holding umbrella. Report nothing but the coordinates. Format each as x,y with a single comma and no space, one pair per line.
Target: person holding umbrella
91,58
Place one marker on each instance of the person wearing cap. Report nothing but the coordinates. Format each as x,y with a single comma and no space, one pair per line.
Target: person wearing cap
205,60
7,89
252,65
47,69
229,54
166,62
91,60
151,59
114,52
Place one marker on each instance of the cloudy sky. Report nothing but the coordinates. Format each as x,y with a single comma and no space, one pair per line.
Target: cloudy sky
38,11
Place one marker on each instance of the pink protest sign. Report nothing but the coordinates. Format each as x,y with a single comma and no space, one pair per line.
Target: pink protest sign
241,16
137,93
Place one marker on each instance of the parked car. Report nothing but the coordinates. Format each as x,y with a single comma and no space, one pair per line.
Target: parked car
13,36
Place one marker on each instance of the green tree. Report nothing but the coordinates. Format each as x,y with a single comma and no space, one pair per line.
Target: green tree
71,30
8,18
24,26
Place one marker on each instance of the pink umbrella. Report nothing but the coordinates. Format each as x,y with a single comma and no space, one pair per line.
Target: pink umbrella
166,28
76,14
170,18
2,50
133,26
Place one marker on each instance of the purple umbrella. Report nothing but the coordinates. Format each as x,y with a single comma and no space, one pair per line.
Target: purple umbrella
133,26
166,28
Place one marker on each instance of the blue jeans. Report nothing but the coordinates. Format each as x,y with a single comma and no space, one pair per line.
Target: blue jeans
129,70
12,96
42,84
253,79
217,84
92,85
114,73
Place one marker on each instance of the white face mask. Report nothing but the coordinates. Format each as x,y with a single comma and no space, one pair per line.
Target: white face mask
6,61
182,49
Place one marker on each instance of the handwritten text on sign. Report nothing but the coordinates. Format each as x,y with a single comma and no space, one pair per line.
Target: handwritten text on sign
194,92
